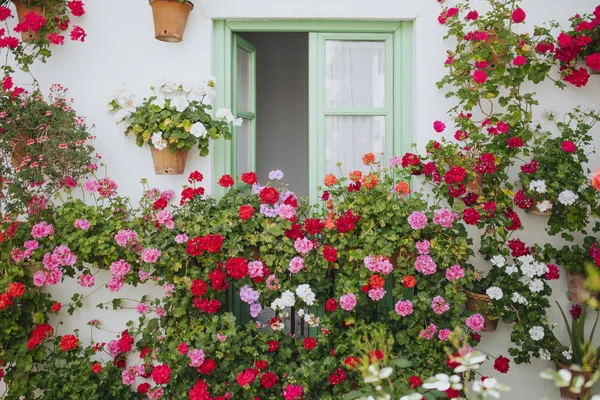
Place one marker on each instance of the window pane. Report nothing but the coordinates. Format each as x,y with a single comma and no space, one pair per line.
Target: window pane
244,80
244,147
347,138
354,74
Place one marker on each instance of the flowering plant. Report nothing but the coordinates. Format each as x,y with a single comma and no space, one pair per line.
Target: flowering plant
575,258
42,24
581,350
176,116
556,179
45,146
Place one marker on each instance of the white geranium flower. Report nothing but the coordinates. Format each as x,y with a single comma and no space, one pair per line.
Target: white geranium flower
122,115
544,206
187,87
567,198
550,114
122,127
511,269
286,300
498,261
545,355
591,109
567,354
469,361
536,333
159,102
536,285
495,293
158,142
180,103
412,396
198,130
519,298
167,86
211,82
224,114
376,375
306,294
538,185
443,382
489,387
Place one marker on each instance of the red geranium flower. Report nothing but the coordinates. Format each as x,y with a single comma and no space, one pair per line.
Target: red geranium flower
207,366
245,212
273,345
68,342
237,267
269,195
576,311
518,15
530,168
96,368
260,364
351,361
15,289
471,216
568,146
330,305
268,380
56,307
501,364
309,343
414,381
338,376
161,374
143,388
198,287
409,281
78,34
330,253
195,176
226,181
249,178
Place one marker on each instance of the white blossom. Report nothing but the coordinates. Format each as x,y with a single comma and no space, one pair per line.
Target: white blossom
567,354
224,114
538,185
443,382
511,269
489,387
567,198
536,285
306,294
122,115
498,261
180,103
158,142
544,354
544,206
376,375
536,333
519,298
159,102
550,114
494,292
286,300
198,130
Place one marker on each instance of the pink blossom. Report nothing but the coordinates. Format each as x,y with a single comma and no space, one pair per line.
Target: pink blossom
91,186
286,211
429,332
394,161
86,280
273,282
115,284
127,377
464,350
348,302
292,392
423,246
182,348
142,308
256,269
53,277
439,126
126,237
444,334
377,294
41,230
119,269
444,218
196,357
296,265
164,217
31,244
161,312
475,322
150,255
403,308
454,273
64,256
113,348
378,264
17,254
168,289
221,338
167,194
417,220
181,238
439,305
82,224
143,275
50,261
303,245
39,278
425,265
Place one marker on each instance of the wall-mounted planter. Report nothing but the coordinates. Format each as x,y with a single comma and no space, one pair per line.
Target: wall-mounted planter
476,184
473,301
565,392
577,292
22,11
170,19
167,163
534,210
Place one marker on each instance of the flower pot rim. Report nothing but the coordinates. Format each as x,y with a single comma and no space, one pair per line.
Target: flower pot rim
569,367
187,3
477,296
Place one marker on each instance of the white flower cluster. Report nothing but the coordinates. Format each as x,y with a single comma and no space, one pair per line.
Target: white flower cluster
519,298
495,293
536,333
306,294
545,355
158,142
286,300
536,285
532,268
498,261
310,318
538,185
544,206
550,114
567,198
224,114
511,269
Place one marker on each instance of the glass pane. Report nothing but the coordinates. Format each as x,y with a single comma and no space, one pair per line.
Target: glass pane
354,74
244,147
244,80
347,138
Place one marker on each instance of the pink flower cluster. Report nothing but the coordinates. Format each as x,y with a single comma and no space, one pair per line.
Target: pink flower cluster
150,255
439,305
196,357
423,246
248,295
118,269
181,238
303,245
377,294
42,230
403,308
417,220
86,280
62,256
128,375
348,302
444,218
286,211
378,264
475,322
454,273
296,265
444,334
165,218
256,269
425,265
126,237
83,224
292,392
428,332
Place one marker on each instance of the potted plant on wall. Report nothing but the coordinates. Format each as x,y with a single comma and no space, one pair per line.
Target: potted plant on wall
172,121
170,18
42,24
556,181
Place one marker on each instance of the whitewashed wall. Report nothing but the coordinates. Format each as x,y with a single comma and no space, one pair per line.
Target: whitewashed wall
120,51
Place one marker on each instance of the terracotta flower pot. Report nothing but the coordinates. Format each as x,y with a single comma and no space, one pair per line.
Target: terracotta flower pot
492,38
167,163
23,10
577,293
18,153
170,19
534,210
476,184
32,267
473,301
565,392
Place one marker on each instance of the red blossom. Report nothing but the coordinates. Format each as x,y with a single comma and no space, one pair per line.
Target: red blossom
161,374
69,342
76,7
245,212
518,15
237,268
269,195
249,178
273,345
568,146
15,289
330,253
195,176
226,181
575,311
337,377
553,273
198,287
268,380
57,39
414,382
78,34
309,343
502,364
530,167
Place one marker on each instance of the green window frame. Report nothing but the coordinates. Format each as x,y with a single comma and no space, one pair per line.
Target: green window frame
399,87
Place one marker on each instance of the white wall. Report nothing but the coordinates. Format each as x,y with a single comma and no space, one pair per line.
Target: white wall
121,51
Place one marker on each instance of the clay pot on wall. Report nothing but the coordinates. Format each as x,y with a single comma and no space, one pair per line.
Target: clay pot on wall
492,38
577,293
170,19
23,10
473,301
534,210
476,184
565,392
167,163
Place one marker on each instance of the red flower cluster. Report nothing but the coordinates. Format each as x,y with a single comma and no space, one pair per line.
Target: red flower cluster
199,391
125,342
313,226
198,287
330,305
514,142
246,377
530,167
568,146
41,332
249,178
269,195
338,376
226,181
31,22
456,174
15,289
414,382
273,345
309,343
208,366
189,193
268,380
502,364
237,267
471,216
245,212
198,245
76,7
69,342
345,223
575,311
218,279
517,248
486,164
206,305
351,361
553,273
96,368
161,374
522,201
330,253
414,162
595,253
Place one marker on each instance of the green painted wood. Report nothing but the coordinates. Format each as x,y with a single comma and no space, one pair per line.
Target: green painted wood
312,26
317,311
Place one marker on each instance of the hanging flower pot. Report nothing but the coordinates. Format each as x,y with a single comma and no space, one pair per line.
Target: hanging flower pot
170,19
565,392
167,163
32,267
476,184
473,301
535,210
577,293
22,11
18,153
